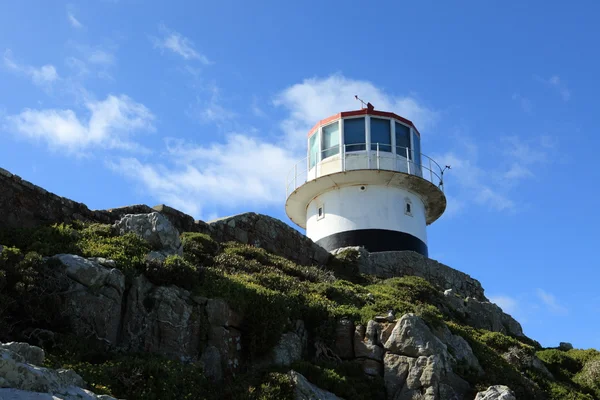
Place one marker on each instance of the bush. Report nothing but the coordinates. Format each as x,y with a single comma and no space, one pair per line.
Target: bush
30,292
175,270
589,376
199,248
346,380
560,363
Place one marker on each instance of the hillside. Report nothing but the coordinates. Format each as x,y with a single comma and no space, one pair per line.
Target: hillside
146,303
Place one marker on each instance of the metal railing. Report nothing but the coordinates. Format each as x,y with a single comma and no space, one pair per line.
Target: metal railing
356,156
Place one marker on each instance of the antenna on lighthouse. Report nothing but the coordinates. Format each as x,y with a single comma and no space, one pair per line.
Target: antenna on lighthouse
369,106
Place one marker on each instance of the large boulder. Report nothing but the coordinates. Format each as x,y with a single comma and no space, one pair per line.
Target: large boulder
413,338
482,314
163,320
93,300
155,228
304,390
498,392
30,354
418,364
288,350
22,380
460,348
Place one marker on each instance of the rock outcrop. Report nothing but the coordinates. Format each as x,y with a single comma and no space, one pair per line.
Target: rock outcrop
94,297
156,229
497,392
162,319
21,379
304,390
271,234
483,314
389,264
418,364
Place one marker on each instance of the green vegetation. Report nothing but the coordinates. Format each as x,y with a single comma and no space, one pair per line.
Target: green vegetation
272,293
147,376
199,248
346,380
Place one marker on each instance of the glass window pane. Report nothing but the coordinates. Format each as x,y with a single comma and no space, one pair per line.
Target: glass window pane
417,151
313,149
402,139
354,134
331,140
381,133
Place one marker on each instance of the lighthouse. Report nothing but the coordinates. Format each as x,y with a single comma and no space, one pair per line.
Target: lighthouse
364,182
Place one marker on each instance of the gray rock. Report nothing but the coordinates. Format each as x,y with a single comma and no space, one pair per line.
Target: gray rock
304,390
163,320
372,367
485,315
498,392
523,360
413,338
229,343
18,379
155,228
395,372
288,350
69,393
364,347
461,350
211,360
93,301
564,346
418,365
220,314
30,354
344,343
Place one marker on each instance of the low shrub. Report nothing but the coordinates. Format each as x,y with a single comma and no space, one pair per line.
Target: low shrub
346,380
175,270
199,248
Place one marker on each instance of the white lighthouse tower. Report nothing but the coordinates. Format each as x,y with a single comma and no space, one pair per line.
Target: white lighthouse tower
365,183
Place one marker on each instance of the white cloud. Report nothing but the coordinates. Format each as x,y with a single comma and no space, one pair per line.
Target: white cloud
558,85
44,76
178,44
246,170
473,182
551,302
318,98
109,125
508,304
243,171
74,21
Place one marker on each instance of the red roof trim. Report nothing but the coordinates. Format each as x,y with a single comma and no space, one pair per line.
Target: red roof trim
364,111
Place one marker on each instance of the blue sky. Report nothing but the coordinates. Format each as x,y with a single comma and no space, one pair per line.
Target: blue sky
206,106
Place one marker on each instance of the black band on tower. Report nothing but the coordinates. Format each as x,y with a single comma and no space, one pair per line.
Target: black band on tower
374,240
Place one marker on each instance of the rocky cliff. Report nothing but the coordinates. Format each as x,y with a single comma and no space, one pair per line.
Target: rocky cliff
146,303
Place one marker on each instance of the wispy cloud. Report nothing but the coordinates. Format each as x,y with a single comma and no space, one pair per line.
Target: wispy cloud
74,21
508,304
493,185
556,83
243,171
109,125
551,302
44,76
248,170
178,44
